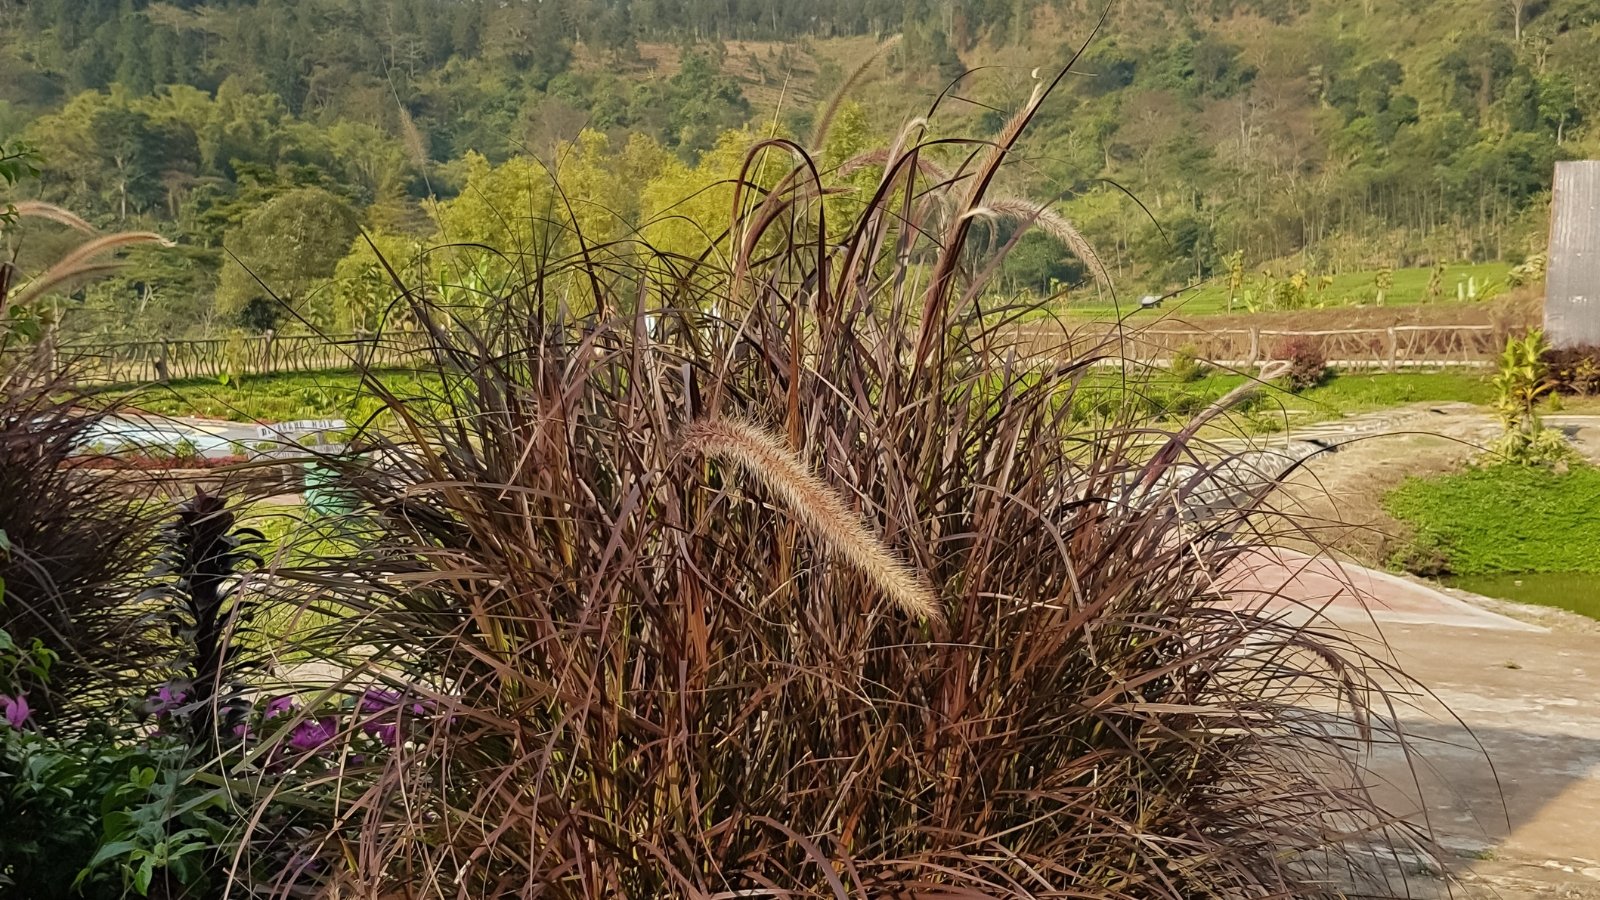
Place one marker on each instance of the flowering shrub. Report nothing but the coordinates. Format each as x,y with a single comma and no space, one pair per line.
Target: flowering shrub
120,810
102,812
360,728
1308,364
20,667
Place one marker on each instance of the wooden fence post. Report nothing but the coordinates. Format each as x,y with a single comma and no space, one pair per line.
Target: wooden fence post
1394,350
1255,345
163,364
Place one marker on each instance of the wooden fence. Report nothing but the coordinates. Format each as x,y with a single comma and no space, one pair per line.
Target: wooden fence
1352,349
264,354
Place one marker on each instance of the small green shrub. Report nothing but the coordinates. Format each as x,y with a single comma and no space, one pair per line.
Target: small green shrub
1187,366
1521,383
1183,404
1530,271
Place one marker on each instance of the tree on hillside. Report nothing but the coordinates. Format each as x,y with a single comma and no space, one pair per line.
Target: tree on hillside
1519,8
702,104
107,153
282,252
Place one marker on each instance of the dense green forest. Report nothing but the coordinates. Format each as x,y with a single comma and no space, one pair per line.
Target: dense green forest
264,137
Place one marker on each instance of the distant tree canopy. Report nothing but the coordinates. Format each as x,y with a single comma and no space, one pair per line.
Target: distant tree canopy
1280,128
282,252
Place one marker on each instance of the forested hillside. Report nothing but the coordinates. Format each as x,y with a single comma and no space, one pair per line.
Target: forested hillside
1308,134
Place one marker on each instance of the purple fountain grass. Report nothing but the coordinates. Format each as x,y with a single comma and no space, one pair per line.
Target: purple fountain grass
920,633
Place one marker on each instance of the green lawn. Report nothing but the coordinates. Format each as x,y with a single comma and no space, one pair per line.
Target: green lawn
276,398
1504,519
1274,408
1410,288
295,537
1358,393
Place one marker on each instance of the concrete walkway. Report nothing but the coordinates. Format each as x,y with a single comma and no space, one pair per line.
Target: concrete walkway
1504,730
1298,585
1503,720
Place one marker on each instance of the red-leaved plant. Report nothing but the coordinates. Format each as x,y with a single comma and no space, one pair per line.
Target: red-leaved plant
824,595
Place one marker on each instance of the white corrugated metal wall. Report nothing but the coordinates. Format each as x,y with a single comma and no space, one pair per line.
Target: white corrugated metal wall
1572,291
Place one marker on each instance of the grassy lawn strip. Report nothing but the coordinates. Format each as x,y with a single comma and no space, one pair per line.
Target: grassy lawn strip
1358,393
276,398
1506,519
306,395
1273,408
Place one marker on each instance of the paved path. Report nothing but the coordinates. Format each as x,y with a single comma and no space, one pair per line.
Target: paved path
1294,584
1506,738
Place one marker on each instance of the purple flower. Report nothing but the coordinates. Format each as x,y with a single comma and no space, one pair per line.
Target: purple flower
376,700
165,700
387,733
278,706
242,731
312,734
14,710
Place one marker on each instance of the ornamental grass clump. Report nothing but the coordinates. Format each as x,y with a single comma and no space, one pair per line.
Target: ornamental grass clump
72,544
825,594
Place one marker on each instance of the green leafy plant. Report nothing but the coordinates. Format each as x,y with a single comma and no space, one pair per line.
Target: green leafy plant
1529,271
18,161
102,813
1187,366
1521,383
159,825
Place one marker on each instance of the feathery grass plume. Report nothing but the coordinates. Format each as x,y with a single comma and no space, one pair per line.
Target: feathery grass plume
1012,129
77,266
643,690
1028,213
882,157
819,134
36,209
1237,396
411,136
783,473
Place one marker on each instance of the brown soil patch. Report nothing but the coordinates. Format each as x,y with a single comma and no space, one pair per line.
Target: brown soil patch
1337,500
769,78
